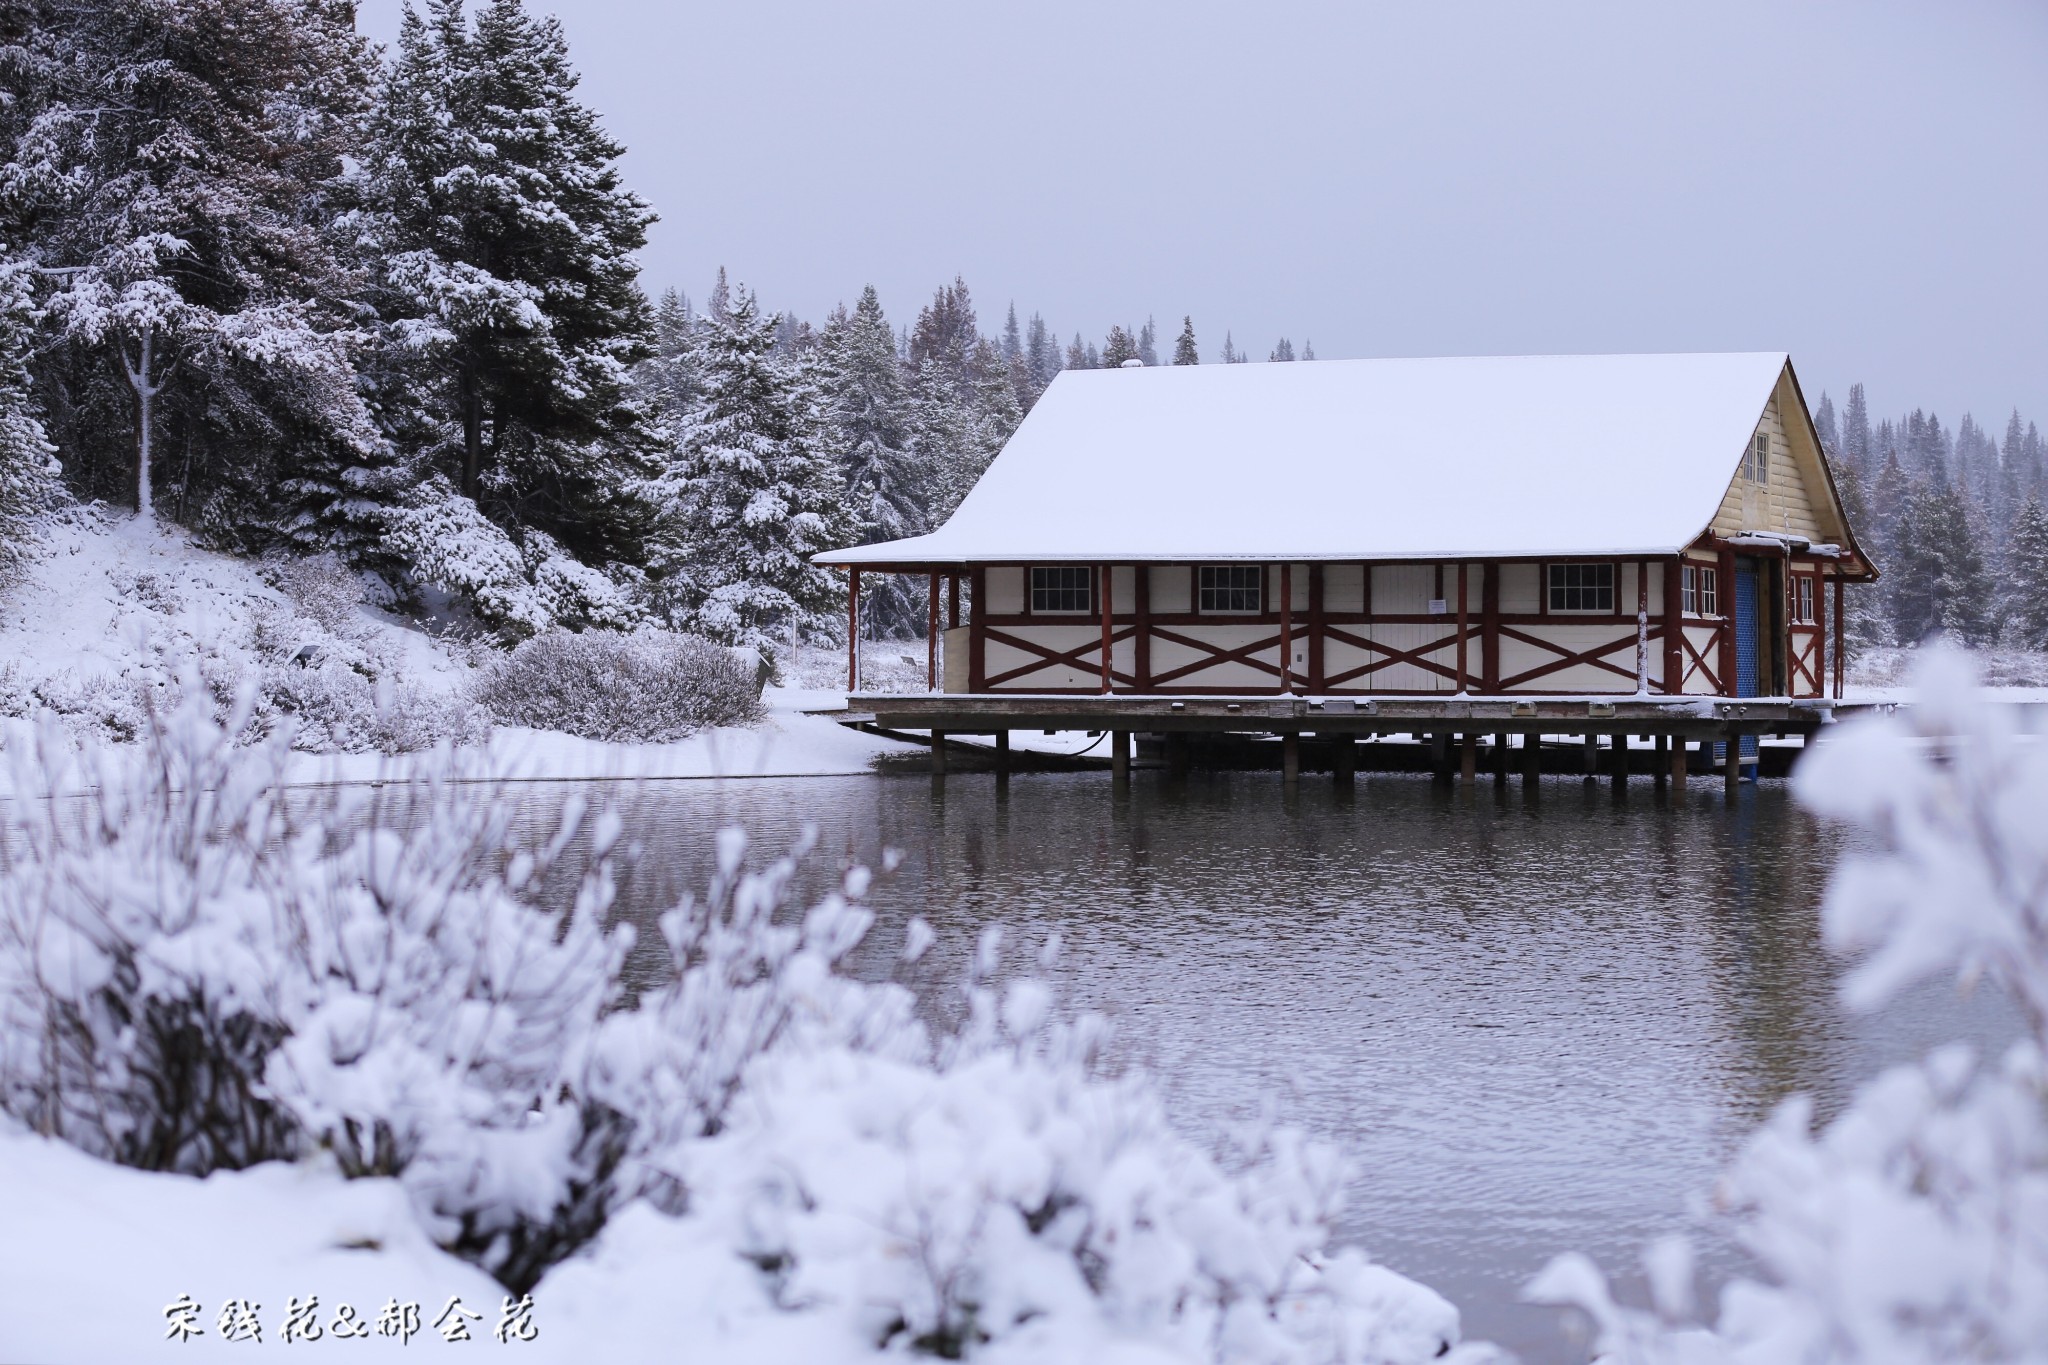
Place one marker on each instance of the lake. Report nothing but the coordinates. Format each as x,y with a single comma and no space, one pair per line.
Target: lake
1538,1019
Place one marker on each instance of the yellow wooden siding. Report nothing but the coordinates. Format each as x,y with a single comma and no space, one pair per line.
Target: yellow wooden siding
1796,501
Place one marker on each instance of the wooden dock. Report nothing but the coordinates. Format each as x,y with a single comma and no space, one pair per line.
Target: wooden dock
1683,731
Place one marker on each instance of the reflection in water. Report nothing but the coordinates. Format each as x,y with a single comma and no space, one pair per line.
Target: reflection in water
1538,1018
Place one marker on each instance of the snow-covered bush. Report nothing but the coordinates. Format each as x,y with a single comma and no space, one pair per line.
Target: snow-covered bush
650,685
198,973
1914,1227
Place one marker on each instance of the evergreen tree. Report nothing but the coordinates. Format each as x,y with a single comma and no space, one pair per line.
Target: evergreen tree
1308,350
1824,424
1118,348
506,241
1856,447
2026,577
1938,573
1092,358
669,379
168,170
1013,336
1231,355
27,468
752,495
866,410
1284,351
1041,355
1148,343
1184,352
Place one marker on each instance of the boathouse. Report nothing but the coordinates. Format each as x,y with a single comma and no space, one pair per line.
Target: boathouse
1529,526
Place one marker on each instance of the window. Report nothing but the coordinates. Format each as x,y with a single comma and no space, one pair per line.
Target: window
1582,587
1230,588
1760,459
1063,588
1802,598
1699,591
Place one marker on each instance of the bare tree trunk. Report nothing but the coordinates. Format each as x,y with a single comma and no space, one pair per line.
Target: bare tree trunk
147,386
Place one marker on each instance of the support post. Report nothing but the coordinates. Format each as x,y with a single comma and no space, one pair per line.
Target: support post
1620,759
1315,629
1500,758
1674,626
1290,757
1468,758
1286,627
1489,628
1731,767
1464,623
931,638
977,644
1344,757
1107,586
1840,653
952,601
1592,755
852,631
1440,756
1002,751
1726,570
1120,756
1643,626
938,753
1678,746
1141,643
1532,757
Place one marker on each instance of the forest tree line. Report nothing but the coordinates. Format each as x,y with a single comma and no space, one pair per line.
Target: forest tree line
301,295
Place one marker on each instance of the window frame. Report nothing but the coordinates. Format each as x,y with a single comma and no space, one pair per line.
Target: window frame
1257,587
1760,459
1805,600
1552,588
1700,590
1087,588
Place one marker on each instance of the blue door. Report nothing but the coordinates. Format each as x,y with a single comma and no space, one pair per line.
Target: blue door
1749,679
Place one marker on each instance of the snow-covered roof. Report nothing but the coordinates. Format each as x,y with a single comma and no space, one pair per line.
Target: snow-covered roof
1361,459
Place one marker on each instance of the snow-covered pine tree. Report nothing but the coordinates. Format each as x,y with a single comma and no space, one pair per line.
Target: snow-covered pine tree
1284,351
168,172
1148,343
1231,355
1041,355
1093,358
1308,349
2026,577
1013,335
1937,568
668,380
1119,347
1825,426
868,416
28,467
506,239
1077,355
1856,446
1184,352
752,495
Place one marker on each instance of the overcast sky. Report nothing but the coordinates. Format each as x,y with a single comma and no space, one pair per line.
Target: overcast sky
1864,185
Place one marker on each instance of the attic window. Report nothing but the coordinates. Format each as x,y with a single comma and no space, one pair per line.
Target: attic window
1582,587
1230,589
1760,459
1062,589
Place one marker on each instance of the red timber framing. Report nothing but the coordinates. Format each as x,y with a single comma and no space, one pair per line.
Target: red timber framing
1469,644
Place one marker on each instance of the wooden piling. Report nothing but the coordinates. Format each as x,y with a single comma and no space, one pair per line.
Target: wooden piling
1002,751
1343,758
1731,767
1120,755
1468,758
1592,755
1532,757
1290,757
938,753
1678,747
1500,758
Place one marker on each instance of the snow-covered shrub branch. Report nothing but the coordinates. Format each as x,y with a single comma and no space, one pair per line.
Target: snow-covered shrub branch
649,686
1914,1227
